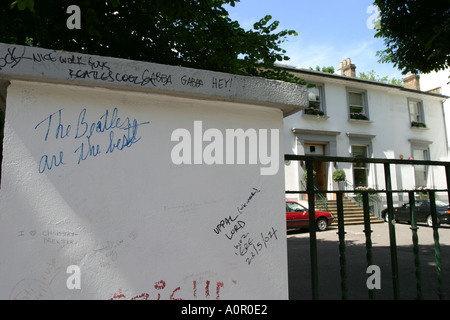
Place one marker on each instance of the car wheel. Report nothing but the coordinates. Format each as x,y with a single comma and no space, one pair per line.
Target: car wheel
322,224
430,221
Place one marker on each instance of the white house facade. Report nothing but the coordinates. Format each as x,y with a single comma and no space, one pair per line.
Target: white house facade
351,117
438,82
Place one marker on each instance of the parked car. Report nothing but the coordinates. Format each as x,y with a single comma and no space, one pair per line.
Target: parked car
297,217
423,212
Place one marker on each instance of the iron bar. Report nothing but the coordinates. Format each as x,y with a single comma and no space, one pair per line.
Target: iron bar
361,191
393,241
437,247
415,240
447,175
364,160
312,230
368,232
341,233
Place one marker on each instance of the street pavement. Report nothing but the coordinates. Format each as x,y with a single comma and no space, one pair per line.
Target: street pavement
329,270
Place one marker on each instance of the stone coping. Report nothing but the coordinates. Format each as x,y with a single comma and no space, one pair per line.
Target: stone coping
52,66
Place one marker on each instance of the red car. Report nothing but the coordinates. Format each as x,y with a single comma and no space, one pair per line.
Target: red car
297,217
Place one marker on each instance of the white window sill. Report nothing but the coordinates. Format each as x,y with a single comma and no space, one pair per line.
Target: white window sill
360,121
315,117
419,128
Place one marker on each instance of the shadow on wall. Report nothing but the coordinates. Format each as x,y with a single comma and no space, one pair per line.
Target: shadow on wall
3,87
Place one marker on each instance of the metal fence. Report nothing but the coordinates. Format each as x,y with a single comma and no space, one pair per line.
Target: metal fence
388,191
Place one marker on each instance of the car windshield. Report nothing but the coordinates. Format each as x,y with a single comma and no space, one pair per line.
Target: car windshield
441,204
419,203
295,207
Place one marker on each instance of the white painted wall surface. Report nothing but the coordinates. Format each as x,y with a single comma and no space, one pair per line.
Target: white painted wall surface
137,225
439,80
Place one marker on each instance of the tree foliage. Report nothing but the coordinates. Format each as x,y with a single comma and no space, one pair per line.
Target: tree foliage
372,75
329,69
190,33
416,34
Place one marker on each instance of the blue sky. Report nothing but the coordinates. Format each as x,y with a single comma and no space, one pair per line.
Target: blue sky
329,31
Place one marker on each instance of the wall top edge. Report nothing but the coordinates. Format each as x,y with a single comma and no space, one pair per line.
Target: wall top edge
45,65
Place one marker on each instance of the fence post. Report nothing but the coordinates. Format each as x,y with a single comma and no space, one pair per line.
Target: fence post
415,239
312,229
367,231
447,175
393,241
341,233
437,247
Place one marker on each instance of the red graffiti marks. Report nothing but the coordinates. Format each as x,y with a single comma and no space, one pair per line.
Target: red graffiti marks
160,285
172,296
161,292
31,289
142,296
118,296
38,288
219,285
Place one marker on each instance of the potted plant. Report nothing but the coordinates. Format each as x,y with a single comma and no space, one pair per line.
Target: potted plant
358,116
339,175
314,111
418,124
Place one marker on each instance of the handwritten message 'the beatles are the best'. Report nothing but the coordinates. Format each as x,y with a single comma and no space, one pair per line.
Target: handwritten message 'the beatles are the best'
104,135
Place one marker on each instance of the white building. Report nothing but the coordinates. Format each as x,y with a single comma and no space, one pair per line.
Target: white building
351,117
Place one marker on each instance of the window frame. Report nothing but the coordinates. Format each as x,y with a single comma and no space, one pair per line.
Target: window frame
365,110
322,100
423,146
421,113
355,165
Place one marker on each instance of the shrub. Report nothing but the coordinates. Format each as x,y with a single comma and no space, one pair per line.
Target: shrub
339,175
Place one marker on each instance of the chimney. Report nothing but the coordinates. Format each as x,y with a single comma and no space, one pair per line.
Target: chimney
346,68
412,81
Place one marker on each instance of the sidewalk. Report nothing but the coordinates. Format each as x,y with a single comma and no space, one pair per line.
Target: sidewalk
355,251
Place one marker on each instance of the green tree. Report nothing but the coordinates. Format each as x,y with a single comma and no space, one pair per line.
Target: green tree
190,33
416,34
372,75
324,69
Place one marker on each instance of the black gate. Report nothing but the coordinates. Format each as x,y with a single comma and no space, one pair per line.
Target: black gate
388,191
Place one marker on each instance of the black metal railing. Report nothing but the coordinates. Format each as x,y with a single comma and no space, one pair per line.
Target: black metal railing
388,191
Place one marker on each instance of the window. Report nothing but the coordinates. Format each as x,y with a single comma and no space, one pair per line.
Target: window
359,168
294,207
416,113
316,101
357,104
420,171
420,150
